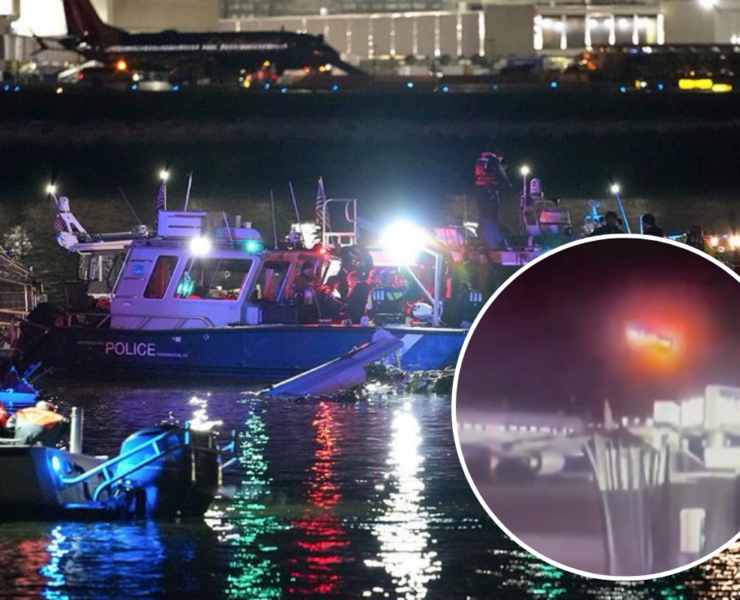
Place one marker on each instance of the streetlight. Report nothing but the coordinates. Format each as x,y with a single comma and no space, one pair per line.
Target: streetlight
164,175
51,189
523,203
614,189
404,241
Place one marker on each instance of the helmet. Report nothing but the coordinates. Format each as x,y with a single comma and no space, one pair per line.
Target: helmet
45,405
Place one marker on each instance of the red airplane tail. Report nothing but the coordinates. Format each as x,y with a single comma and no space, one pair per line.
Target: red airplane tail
84,23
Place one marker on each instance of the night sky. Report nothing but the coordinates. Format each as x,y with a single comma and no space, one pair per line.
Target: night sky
558,330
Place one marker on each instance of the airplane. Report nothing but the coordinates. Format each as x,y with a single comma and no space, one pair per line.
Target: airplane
218,56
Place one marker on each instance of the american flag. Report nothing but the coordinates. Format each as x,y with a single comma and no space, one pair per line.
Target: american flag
161,200
320,199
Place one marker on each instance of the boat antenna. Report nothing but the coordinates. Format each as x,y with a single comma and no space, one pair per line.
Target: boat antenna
131,208
295,204
187,194
226,223
274,223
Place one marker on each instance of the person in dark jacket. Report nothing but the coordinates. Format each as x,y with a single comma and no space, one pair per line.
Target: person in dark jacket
490,181
611,225
359,290
649,227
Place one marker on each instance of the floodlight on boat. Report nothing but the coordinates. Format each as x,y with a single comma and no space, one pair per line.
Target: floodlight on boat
614,188
51,189
524,171
200,246
734,241
403,240
714,241
164,175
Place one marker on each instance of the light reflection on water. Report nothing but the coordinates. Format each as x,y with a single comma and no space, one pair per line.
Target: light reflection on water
327,499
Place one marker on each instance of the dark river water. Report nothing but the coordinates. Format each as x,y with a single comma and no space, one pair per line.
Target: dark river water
361,499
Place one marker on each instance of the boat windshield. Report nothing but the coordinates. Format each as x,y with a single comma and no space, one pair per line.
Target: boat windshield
213,279
270,281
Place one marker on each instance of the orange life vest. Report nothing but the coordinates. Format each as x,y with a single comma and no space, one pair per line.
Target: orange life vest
35,416
3,415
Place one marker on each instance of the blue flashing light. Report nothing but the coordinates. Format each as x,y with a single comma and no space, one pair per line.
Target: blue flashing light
135,86
660,86
284,90
6,87
410,85
267,86
334,88
17,88
623,90
56,464
495,86
186,287
553,84
253,246
175,88
446,89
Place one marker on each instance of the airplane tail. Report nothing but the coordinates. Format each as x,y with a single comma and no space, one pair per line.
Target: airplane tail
84,23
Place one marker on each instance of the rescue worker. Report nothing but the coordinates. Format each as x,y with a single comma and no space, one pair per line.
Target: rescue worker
611,225
38,425
304,289
359,291
649,227
490,180
695,239
329,299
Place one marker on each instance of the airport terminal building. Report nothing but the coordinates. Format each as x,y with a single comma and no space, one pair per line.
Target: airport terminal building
374,30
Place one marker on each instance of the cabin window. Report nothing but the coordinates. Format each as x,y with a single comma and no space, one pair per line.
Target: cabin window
161,276
270,281
213,278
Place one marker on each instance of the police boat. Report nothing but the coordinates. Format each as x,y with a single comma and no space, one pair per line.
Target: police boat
203,296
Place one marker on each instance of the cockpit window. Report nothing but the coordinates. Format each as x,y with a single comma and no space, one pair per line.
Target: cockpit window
162,273
270,281
213,279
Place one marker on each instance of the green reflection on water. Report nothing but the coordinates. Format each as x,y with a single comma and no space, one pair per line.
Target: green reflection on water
246,524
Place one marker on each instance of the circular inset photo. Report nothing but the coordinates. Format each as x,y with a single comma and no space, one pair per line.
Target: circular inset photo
597,407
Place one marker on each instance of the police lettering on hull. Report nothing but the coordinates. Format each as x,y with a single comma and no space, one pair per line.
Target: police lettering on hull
130,349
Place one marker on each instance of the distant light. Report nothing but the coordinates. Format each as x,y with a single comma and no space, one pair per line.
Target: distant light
734,241
200,246
714,241
323,251
59,90
121,65
614,188
267,86
284,90
135,86
410,84
403,240
175,88
266,63
446,89
56,464
719,88
495,86
51,189
553,84
17,88
623,89
660,86
524,171
695,84
164,175
708,4
6,87
136,77
334,88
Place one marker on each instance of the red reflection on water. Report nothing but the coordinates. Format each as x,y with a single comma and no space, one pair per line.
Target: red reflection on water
320,532
22,563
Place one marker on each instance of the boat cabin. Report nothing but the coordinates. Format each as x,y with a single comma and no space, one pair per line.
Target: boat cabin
202,272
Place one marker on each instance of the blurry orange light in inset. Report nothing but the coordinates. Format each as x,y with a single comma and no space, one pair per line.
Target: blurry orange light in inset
121,65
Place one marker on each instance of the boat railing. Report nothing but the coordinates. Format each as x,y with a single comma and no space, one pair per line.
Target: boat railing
158,451
144,319
332,239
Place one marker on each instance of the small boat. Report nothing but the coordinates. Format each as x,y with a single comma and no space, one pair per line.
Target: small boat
161,472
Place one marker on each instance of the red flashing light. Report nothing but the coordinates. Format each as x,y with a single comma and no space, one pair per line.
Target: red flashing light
323,251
